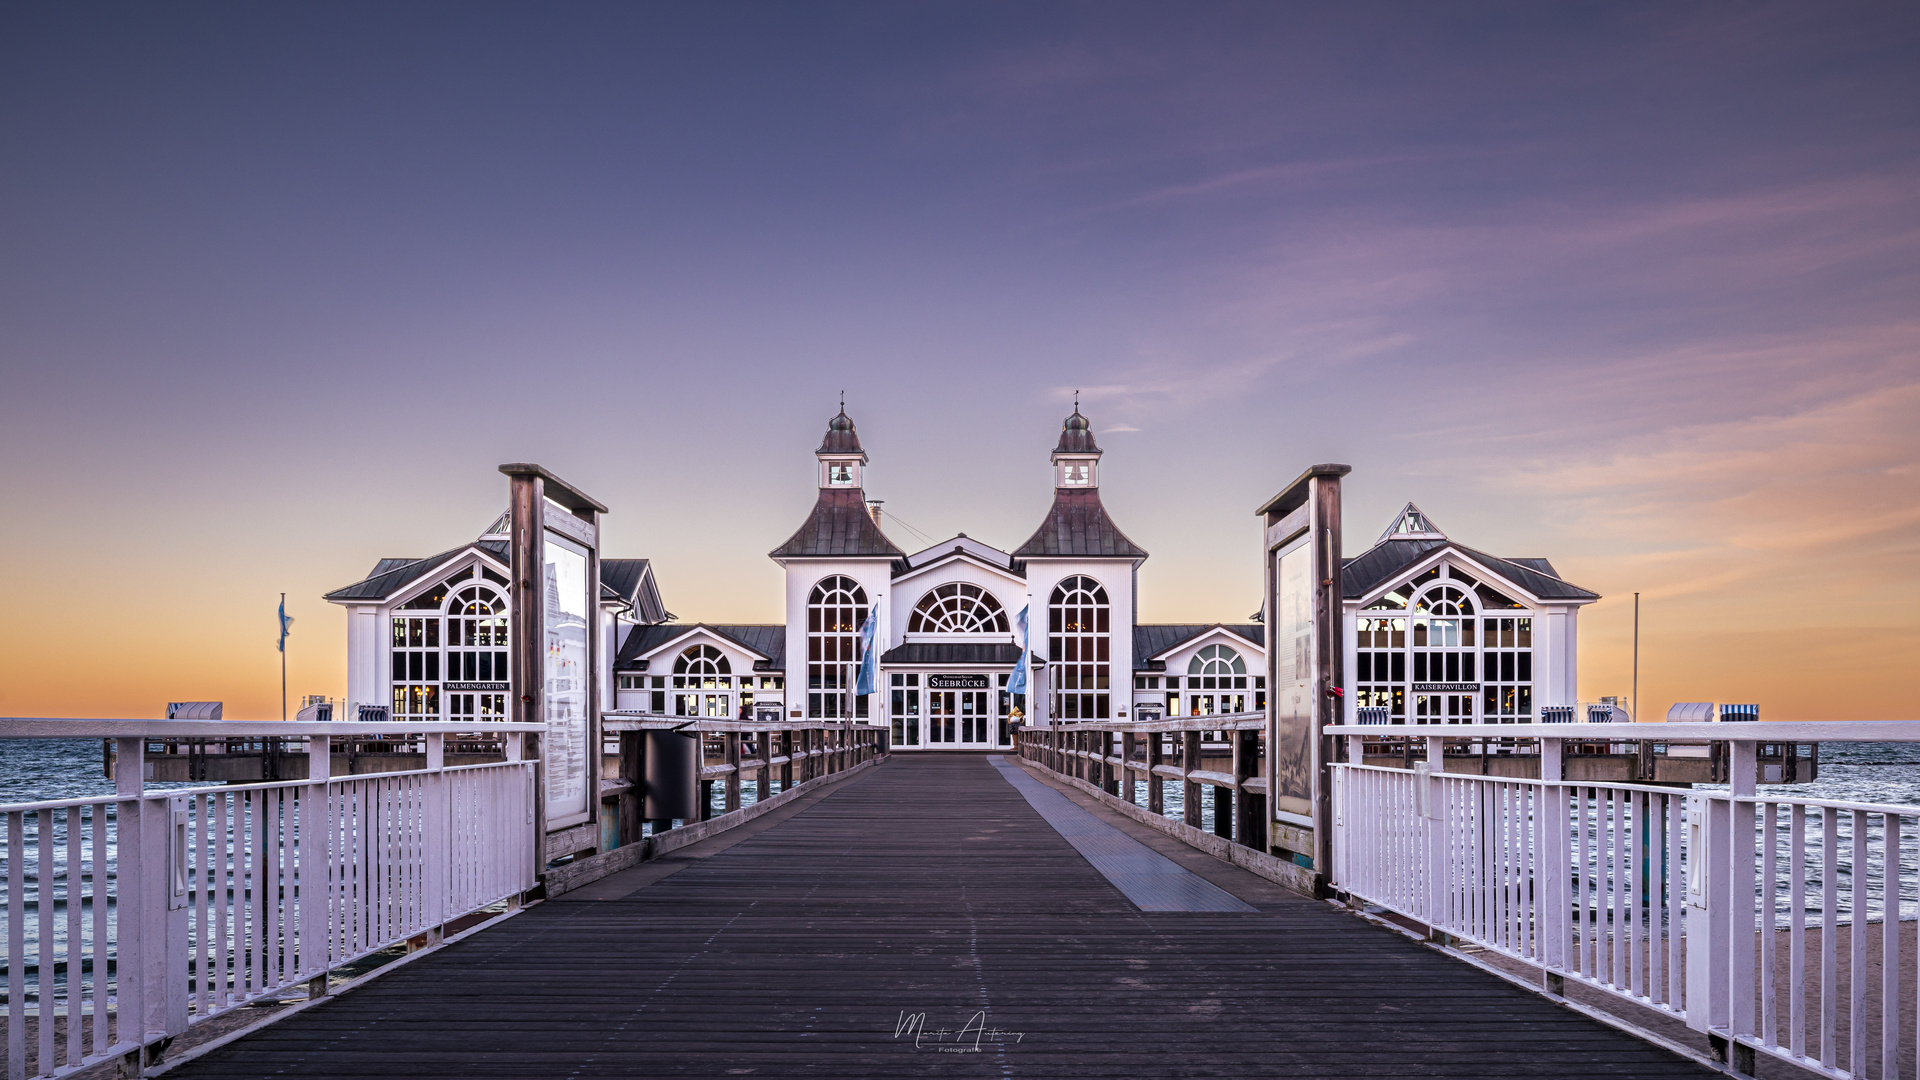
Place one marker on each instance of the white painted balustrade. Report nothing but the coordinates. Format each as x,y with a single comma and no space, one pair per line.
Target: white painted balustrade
1758,919
132,916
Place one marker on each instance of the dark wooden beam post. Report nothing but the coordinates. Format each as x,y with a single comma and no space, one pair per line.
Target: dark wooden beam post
633,769
1246,752
1127,771
786,767
1190,791
1156,791
733,778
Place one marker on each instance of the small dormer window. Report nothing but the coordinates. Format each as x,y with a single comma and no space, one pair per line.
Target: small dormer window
840,473
1076,474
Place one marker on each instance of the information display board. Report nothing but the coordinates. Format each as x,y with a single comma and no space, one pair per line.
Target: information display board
1293,641
1304,669
565,626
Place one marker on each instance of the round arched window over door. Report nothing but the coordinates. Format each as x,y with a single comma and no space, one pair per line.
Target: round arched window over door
1216,682
703,683
958,608
476,654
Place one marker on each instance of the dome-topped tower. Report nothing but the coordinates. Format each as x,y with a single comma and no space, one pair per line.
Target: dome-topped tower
841,436
1076,435
1078,525
1076,458
841,524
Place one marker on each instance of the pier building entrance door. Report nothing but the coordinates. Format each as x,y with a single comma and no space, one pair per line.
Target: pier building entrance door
959,718
942,711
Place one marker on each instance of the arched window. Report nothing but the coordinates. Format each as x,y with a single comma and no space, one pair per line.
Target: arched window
702,667
1217,682
702,677
1437,663
835,611
958,608
1079,643
476,652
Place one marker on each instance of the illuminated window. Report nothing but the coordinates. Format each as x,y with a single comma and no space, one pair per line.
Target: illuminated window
835,612
958,608
1078,645
1217,668
476,654
702,681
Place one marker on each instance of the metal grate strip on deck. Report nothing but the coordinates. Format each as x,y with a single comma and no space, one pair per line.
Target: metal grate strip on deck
1149,879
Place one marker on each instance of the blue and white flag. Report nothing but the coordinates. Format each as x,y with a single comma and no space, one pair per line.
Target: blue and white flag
1018,683
864,685
286,624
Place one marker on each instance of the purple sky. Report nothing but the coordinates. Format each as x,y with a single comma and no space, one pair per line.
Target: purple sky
1633,288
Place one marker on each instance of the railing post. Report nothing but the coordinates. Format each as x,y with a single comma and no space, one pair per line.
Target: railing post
1156,795
1189,789
1556,862
732,744
1709,903
1433,824
160,918
1246,758
439,830
633,769
1742,886
315,862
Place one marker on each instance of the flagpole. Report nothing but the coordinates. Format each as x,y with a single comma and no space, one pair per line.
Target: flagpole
283,661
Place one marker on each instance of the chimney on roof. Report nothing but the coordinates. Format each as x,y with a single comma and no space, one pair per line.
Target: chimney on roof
873,510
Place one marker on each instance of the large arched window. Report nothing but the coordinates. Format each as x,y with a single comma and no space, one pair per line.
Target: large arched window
1216,682
1439,663
835,611
702,679
1078,649
958,608
476,666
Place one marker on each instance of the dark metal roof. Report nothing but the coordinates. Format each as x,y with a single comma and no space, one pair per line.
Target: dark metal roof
1078,525
841,436
1076,435
956,652
394,575
768,640
1388,559
1153,639
838,527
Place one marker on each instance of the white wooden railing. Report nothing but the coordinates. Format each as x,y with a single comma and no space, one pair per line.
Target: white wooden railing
1728,909
131,917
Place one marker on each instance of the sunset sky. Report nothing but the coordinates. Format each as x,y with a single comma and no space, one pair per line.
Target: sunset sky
1635,288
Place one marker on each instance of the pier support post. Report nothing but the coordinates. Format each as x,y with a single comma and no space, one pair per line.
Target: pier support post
1128,742
1156,792
633,769
1247,828
733,778
1189,790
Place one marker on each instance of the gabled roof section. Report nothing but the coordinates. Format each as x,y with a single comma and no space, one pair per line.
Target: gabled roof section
1389,559
766,641
1152,641
1412,524
631,581
961,546
839,527
1077,526
392,576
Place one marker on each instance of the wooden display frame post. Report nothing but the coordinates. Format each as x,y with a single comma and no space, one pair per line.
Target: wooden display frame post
546,511
1306,678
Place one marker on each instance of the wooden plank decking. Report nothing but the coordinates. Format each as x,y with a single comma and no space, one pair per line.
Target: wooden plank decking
929,885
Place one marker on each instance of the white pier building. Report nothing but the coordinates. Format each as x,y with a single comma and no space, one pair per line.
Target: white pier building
1436,632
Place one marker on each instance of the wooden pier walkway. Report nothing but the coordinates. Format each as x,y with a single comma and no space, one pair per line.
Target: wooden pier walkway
806,942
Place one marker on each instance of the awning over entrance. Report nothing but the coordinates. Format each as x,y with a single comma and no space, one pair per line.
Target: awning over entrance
935,654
